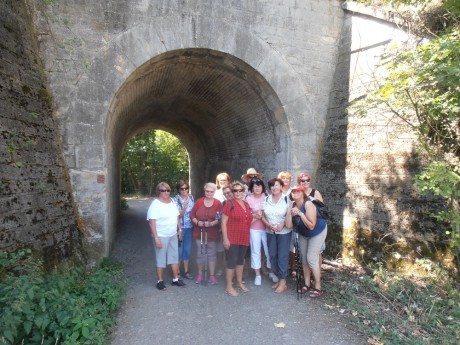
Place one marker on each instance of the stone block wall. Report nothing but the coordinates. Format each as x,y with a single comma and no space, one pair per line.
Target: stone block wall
368,163
36,207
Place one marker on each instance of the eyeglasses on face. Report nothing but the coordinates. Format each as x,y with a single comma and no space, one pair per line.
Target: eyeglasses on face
165,190
183,188
253,176
305,180
238,191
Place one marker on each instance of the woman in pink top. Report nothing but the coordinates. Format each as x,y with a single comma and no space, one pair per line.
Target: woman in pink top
256,200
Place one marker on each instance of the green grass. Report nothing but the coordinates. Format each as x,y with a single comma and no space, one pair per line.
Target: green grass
396,308
66,306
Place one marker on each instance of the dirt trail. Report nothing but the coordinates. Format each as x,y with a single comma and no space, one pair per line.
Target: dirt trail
205,314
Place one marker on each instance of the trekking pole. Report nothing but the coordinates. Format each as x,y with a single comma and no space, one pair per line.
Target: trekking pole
298,259
205,252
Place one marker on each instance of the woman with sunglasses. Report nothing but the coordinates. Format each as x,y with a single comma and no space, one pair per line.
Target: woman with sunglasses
276,209
256,200
312,231
236,221
304,180
165,227
205,216
184,202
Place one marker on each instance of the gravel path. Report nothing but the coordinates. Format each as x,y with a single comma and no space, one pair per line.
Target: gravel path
200,314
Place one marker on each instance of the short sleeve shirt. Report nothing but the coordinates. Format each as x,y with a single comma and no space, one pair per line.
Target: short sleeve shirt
165,215
275,213
239,222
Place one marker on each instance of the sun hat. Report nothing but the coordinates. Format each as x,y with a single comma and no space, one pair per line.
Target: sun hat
251,173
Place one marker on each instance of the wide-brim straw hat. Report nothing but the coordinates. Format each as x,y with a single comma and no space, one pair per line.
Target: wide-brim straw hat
251,172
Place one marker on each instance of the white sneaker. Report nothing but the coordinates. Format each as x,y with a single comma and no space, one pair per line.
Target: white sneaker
273,277
258,280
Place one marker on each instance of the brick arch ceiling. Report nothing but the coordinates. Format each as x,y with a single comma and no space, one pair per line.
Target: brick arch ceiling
220,107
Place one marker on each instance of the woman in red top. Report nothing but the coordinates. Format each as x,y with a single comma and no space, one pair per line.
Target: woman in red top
205,217
236,221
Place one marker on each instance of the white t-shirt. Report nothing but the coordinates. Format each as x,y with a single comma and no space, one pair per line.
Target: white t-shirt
165,216
276,213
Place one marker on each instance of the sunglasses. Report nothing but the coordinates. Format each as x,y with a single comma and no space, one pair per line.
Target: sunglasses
253,176
183,188
296,191
238,191
306,180
165,190
256,180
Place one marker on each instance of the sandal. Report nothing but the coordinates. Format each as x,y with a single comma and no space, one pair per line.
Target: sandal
316,293
243,288
232,293
304,289
187,276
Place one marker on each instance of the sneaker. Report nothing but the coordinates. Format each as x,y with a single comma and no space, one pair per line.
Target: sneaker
161,285
212,280
258,280
273,277
199,279
178,283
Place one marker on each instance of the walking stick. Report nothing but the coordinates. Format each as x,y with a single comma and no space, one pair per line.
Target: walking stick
205,252
298,257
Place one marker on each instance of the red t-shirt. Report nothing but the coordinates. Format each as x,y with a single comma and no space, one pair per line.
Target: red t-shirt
201,212
239,222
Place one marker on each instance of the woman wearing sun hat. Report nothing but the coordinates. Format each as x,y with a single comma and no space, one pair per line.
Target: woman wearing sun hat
312,231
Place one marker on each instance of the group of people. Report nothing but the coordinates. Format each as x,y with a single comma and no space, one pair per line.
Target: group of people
239,219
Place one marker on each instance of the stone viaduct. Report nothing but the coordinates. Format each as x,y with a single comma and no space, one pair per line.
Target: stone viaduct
242,84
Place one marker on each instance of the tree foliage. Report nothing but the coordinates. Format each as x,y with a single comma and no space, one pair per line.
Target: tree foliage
149,158
421,87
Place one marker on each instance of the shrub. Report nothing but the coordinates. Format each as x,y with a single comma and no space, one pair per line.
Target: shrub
66,306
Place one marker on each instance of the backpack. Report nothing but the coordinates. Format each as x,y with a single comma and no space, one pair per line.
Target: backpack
322,209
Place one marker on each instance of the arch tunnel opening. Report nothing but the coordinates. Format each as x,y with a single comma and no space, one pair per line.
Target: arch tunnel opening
223,110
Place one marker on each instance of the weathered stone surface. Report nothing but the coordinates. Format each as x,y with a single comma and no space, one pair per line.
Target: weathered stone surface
36,207
243,84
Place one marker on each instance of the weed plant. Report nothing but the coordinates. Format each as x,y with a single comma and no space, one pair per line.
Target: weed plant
66,306
394,308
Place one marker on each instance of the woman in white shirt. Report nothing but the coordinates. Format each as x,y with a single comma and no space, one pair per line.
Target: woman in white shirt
165,227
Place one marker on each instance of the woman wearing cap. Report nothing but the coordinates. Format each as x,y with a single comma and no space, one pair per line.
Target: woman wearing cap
276,209
312,230
256,200
236,221
205,217
165,227
184,202
304,180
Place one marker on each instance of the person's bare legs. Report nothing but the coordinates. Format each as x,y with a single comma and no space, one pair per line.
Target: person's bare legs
229,273
239,277
175,270
160,273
